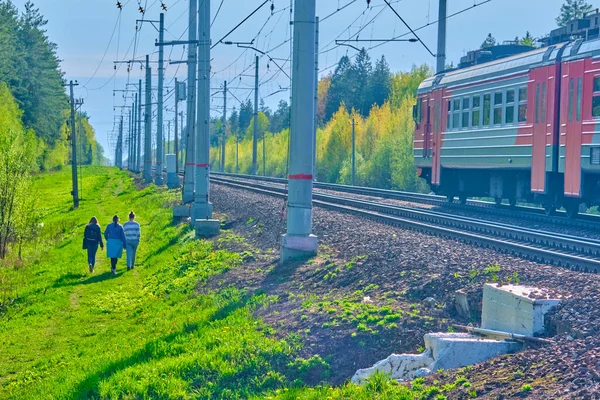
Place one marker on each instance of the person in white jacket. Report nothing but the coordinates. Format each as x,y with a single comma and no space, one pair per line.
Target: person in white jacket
132,236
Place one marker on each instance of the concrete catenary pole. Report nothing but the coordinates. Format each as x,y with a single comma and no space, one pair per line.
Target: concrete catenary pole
181,126
353,152
135,107
298,242
255,134
316,97
190,142
158,179
441,51
202,209
224,127
75,191
130,140
138,158
120,145
176,140
148,125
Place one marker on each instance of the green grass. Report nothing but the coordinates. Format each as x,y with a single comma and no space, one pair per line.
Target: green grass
147,333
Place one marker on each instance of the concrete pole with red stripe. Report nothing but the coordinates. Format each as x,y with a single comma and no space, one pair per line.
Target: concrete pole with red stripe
202,209
298,242
190,131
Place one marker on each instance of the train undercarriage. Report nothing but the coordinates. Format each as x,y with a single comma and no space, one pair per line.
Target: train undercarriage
514,186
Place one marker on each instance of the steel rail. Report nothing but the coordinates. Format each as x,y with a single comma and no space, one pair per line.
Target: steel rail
522,212
544,247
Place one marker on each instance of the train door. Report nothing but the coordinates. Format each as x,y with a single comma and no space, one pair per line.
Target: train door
436,142
571,126
538,152
427,138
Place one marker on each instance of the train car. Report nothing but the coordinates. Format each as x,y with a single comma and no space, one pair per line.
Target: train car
521,128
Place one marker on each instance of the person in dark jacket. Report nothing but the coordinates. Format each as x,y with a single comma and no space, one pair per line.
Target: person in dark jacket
92,238
115,243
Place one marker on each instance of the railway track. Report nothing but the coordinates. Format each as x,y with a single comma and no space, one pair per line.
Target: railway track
573,252
590,222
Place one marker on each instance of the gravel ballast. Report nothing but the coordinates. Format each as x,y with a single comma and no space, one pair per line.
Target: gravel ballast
367,267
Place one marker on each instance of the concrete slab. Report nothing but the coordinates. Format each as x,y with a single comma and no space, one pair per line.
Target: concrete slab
442,351
202,211
515,309
295,247
456,350
182,211
206,228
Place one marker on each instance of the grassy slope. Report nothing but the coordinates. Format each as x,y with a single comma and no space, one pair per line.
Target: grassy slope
145,333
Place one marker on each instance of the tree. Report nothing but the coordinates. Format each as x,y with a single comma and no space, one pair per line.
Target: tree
234,122
572,9
281,117
360,73
527,40
489,41
322,93
339,88
246,113
380,83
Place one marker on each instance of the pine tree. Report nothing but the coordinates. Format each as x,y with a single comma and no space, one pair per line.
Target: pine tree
246,113
490,41
339,89
527,40
359,97
380,82
572,9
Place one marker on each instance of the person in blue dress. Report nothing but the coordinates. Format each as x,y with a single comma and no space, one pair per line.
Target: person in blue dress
115,242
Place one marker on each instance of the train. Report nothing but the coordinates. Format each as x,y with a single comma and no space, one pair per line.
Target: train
522,128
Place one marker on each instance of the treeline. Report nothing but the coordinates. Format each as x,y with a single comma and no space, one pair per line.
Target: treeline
34,109
30,69
379,102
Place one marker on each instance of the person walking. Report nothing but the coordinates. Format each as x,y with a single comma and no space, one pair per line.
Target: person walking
132,234
92,238
115,242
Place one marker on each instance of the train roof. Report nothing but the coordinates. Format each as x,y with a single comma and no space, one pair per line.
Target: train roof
495,69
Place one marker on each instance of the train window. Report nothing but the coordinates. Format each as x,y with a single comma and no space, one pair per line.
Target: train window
510,114
597,84
579,90
476,115
498,98
449,119
571,95
523,94
522,104
487,109
457,105
498,104
456,120
544,102
537,103
510,106
510,96
596,106
466,107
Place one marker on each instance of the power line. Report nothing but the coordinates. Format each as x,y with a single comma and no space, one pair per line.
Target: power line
408,26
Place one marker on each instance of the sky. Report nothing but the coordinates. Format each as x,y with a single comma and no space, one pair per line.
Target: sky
92,34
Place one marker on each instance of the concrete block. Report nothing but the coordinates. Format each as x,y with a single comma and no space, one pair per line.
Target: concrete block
456,350
295,247
461,302
202,211
207,228
182,212
172,180
442,351
515,309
